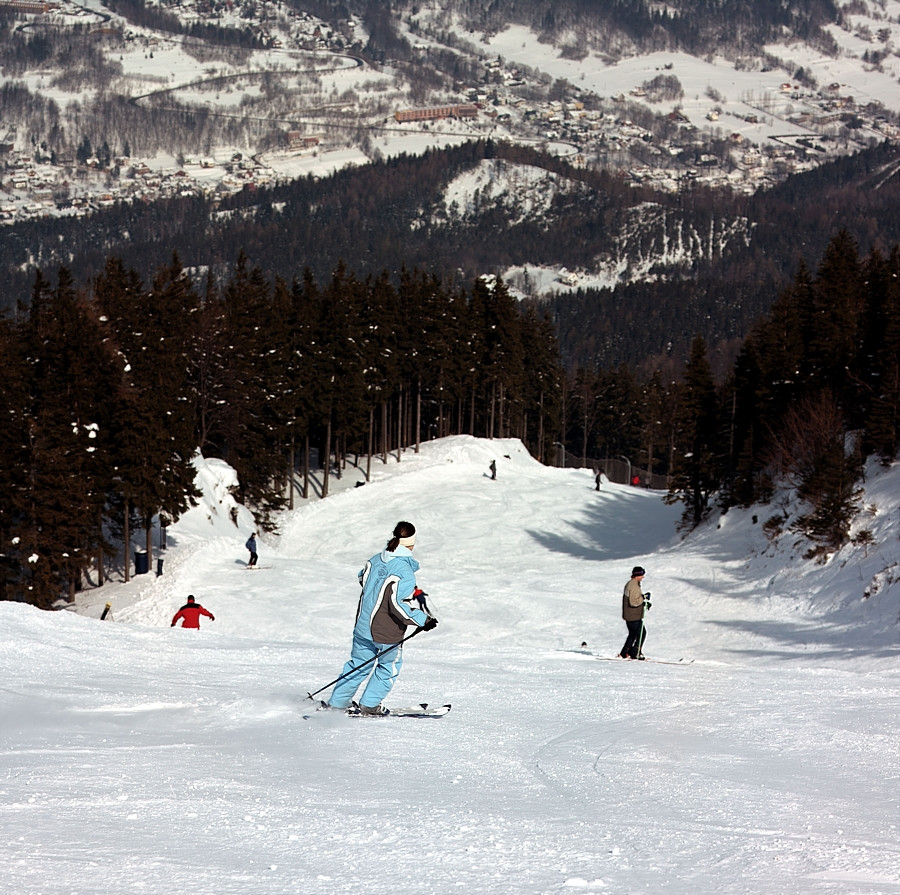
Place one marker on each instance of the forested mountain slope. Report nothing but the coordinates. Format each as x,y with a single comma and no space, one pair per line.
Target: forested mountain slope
621,26
701,262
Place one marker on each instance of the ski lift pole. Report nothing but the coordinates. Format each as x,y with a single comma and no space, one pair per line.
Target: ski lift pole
377,655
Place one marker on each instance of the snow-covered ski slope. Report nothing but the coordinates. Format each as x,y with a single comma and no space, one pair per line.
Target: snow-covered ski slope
137,758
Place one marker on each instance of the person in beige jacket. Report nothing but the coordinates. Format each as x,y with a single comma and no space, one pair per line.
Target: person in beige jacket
634,602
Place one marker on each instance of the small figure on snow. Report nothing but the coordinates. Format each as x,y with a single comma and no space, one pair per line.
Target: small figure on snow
190,614
597,480
251,546
493,468
390,603
634,604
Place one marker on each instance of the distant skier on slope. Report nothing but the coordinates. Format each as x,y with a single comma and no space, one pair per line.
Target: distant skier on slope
390,603
190,614
634,604
251,546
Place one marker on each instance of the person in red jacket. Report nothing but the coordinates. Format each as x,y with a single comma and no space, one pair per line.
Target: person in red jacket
190,614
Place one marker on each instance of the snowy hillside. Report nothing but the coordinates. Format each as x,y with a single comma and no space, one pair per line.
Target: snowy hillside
523,190
138,757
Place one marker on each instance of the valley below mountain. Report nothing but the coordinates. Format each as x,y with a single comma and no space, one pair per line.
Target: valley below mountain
589,162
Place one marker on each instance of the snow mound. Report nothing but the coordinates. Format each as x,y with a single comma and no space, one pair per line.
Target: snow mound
217,514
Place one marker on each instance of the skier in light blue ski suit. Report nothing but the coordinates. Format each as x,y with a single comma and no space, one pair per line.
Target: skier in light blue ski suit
389,604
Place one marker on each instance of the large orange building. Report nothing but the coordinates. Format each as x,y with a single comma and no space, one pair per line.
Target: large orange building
34,7
460,110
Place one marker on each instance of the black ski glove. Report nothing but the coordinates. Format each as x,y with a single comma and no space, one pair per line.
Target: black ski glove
430,623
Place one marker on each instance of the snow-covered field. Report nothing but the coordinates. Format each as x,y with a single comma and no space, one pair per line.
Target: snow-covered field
739,91
137,758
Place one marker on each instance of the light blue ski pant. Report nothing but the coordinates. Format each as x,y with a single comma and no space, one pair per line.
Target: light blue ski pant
383,671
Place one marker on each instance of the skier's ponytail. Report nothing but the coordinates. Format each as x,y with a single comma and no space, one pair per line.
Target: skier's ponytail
404,533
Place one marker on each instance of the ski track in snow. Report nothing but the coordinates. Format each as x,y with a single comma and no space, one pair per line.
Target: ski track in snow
140,758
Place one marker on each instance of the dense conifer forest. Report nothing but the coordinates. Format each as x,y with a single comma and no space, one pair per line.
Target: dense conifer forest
370,218
110,386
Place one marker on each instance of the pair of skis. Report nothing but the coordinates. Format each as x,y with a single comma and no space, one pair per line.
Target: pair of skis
422,710
654,661
584,651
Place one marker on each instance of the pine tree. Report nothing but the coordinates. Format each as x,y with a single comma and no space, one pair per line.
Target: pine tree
340,362
504,358
255,423
658,425
835,326
154,427
769,375
695,469
813,453
432,338
385,339
781,342
495,324
586,409
284,387
746,428
15,407
542,382
879,366
209,370
473,353
119,295
626,413
65,464
305,397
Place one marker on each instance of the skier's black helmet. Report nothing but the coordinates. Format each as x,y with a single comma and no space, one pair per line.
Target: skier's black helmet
637,570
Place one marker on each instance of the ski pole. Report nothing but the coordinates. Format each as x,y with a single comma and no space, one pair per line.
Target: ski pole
645,609
377,655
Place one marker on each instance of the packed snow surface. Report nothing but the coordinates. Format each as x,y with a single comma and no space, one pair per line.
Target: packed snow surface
140,758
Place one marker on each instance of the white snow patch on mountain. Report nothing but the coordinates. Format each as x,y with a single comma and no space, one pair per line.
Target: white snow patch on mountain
525,191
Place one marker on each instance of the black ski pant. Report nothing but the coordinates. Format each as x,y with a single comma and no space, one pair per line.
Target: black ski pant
636,630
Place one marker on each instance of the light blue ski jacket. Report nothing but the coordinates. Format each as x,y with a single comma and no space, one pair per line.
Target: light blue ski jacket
388,581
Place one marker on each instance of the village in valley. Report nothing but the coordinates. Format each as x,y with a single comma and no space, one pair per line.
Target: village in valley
664,122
